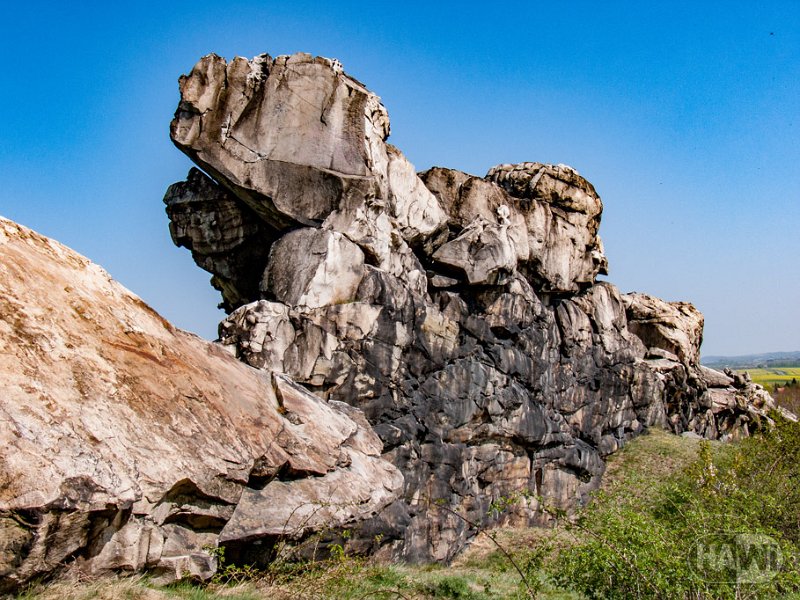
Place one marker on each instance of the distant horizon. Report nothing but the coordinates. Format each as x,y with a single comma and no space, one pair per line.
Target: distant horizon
758,355
683,117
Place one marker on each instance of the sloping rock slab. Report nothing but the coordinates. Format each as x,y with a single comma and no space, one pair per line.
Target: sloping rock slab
129,444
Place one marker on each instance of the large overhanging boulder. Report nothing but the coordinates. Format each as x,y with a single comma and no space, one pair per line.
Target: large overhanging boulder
299,142
129,444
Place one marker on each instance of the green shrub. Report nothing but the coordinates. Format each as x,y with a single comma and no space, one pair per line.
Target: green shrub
454,587
680,540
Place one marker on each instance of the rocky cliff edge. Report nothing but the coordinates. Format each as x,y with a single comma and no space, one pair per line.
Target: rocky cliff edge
461,313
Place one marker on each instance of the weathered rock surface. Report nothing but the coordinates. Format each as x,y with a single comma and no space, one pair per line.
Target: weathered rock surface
313,267
303,144
469,327
224,236
549,216
130,445
675,328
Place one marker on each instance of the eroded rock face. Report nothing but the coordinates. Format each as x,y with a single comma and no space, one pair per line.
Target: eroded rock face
460,313
313,267
674,328
301,143
713,404
223,234
546,216
131,445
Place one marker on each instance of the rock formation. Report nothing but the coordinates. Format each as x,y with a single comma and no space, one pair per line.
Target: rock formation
460,313
131,445
411,349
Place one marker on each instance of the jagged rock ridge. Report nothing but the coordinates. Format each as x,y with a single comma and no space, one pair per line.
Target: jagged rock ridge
460,313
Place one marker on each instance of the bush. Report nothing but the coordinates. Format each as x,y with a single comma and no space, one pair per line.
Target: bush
742,498
788,397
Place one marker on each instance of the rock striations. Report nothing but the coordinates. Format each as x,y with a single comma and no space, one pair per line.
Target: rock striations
411,348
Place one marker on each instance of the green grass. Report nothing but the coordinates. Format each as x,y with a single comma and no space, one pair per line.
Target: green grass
642,544
647,460
482,572
774,375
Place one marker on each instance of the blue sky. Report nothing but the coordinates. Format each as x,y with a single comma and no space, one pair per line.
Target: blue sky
684,115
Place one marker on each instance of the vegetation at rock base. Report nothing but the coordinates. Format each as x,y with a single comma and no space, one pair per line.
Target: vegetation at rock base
662,543
782,379
662,496
788,397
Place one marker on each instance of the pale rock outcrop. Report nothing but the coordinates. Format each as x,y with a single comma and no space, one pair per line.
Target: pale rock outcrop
415,209
674,327
131,445
715,378
550,215
562,218
313,267
474,335
483,253
410,349
713,404
301,143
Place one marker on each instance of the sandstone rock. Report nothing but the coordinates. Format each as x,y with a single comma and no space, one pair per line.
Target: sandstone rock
416,348
313,267
697,399
129,444
226,238
266,126
416,211
562,218
714,378
460,313
301,143
423,380
673,326
483,253
550,214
